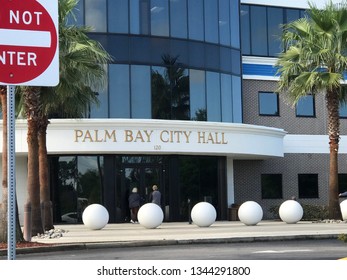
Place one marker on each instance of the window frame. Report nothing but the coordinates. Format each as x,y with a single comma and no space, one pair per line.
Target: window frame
277,114
279,192
313,115
300,187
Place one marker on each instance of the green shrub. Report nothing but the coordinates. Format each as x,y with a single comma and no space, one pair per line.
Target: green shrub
342,237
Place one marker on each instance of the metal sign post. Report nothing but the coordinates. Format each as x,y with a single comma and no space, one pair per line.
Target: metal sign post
11,207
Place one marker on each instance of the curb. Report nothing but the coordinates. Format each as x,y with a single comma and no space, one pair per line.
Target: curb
139,243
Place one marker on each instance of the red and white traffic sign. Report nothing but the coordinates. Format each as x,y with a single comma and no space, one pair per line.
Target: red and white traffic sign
29,42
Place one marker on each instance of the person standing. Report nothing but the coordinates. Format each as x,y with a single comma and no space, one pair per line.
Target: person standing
134,205
155,196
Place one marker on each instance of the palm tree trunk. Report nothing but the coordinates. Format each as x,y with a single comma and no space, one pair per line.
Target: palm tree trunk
31,103
334,138
46,203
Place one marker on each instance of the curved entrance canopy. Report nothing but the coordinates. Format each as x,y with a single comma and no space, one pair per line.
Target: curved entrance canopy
124,136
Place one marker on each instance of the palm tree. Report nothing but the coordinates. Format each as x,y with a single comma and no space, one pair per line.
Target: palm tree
314,62
82,73
31,96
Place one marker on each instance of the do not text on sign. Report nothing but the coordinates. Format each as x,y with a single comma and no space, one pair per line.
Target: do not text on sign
29,42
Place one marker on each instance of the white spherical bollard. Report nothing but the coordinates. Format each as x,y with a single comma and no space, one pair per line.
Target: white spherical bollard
250,213
203,214
95,216
291,211
150,215
343,207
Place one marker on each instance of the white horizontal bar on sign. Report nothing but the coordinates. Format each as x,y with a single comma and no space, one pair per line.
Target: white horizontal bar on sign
25,38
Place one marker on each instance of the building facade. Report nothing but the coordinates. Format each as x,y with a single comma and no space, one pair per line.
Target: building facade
190,106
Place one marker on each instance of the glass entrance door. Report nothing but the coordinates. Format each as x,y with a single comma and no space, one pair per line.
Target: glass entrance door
142,177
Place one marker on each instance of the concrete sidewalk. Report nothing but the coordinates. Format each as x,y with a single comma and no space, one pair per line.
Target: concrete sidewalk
127,234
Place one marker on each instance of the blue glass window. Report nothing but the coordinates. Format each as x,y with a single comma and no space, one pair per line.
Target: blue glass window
95,12
140,92
119,89
234,24
224,23
225,59
212,56
258,31
213,97
79,14
275,19
197,95
196,20
271,186
308,185
268,104
118,20
178,18
139,17
101,110
291,15
245,30
196,54
343,110
211,21
159,47
305,106
226,100
237,99
170,91
160,17
261,28
140,50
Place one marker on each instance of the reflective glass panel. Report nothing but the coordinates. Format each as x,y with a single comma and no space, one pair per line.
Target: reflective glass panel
258,31
178,18
275,19
95,11
119,89
139,16
224,22
268,103
245,30
196,54
271,186
211,21
170,91
305,106
78,185
160,17
291,15
235,24
308,185
79,12
197,95
196,20
343,110
213,97
226,100
100,110
140,92
118,20
237,99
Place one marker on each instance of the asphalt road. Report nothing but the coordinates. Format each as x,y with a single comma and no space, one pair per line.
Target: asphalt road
326,249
